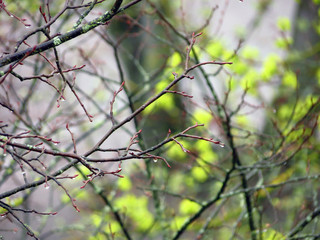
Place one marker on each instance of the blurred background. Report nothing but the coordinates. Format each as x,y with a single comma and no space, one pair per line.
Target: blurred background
263,108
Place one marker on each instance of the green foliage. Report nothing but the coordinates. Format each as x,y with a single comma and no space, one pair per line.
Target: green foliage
215,49
295,112
242,120
199,174
318,76
175,152
250,53
283,176
266,142
32,6
317,2
316,26
202,117
14,202
239,67
174,60
283,24
188,207
99,236
79,194
177,182
249,80
84,170
290,79
195,50
271,234
96,219
136,208
178,222
206,155
165,102
124,184
284,43
270,66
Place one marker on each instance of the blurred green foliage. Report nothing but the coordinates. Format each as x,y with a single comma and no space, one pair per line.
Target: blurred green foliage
155,201
284,148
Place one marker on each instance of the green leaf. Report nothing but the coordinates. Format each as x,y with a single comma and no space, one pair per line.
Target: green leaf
124,184
96,219
161,85
271,234
283,176
188,207
84,170
177,222
284,43
250,52
176,183
65,199
297,135
284,111
215,49
189,181
227,54
164,102
14,202
205,152
174,60
175,152
302,106
10,171
199,174
283,23
115,227
137,209
290,79
82,195
316,26
249,80
197,50
232,84
242,120
98,236
239,67
270,66
202,117
30,5
318,76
